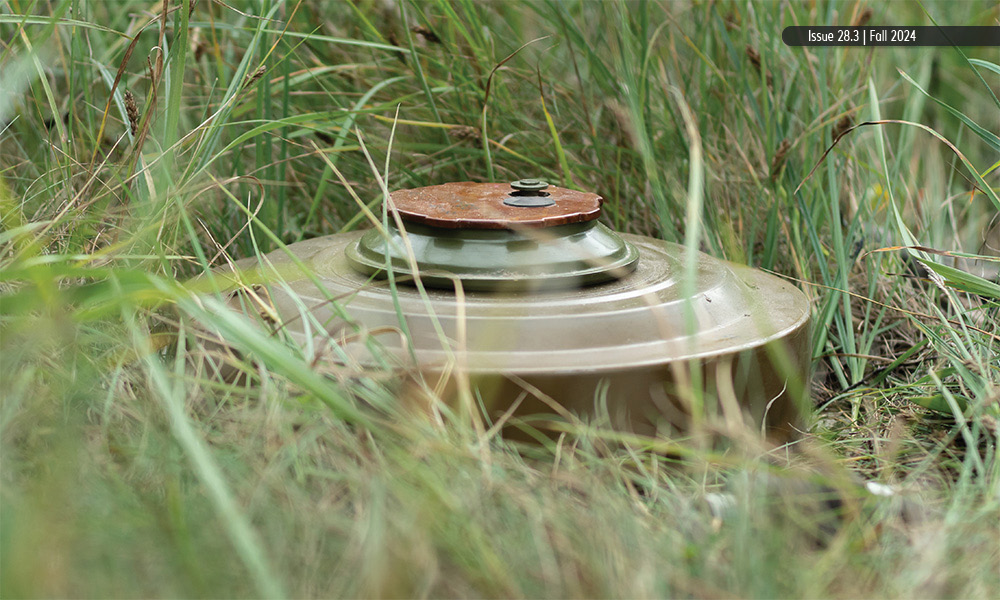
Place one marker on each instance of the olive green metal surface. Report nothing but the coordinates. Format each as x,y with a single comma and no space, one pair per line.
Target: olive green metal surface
636,321
624,345
564,256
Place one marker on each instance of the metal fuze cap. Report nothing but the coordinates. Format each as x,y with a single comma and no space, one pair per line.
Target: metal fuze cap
493,236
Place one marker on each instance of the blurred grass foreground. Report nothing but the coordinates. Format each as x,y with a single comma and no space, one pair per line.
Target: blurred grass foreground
144,143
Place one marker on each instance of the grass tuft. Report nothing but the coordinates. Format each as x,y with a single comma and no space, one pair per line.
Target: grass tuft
143,145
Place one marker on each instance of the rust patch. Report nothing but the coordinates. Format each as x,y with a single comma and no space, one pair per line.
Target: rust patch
468,205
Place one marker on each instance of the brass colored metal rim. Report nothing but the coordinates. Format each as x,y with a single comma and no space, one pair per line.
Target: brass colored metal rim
638,321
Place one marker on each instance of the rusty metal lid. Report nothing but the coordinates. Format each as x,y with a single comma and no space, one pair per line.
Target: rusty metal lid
468,205
523,236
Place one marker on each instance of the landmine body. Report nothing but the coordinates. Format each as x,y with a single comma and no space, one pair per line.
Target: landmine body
556,314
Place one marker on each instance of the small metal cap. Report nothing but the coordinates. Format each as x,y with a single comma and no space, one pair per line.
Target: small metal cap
529,185
529,193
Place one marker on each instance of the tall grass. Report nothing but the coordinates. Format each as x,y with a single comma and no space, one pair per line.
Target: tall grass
142,144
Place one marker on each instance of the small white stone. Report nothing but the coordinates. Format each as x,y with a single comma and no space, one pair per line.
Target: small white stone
880,489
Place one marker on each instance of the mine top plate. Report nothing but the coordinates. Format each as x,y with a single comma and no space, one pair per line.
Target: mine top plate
469,205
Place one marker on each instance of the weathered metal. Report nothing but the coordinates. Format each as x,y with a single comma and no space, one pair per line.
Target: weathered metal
467,205
633,349
529,193
512,240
